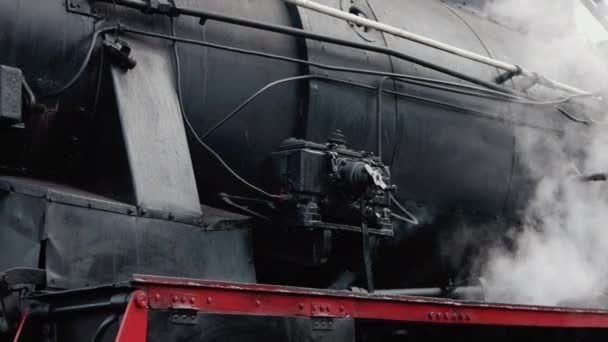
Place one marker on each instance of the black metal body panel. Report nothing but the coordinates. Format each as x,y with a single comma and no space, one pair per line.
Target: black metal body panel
21,218
246,328
87,240
423,143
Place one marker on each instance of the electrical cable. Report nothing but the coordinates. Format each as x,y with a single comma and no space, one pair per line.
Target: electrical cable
586,121
379,116
193,131
83,65
99,81
31,97
367,262
228,200
250,99
467,111
410,217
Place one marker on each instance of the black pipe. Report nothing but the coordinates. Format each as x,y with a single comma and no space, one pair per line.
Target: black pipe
209,15
462,292
119,301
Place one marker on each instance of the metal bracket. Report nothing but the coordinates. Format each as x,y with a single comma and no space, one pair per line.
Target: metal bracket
162,7
322,323
82,7
183,316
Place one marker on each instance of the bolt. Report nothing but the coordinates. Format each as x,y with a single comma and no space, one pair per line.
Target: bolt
175,317
174,298
342,308
431,315
301,306
157,297
192,300
314,307
184,317
208,300
257,303
142,300
468,317
183,299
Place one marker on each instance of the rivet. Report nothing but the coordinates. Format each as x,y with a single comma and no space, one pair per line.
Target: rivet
301,306
183,299
431,315
342,308
468,317
314,307
192,300
157,297
174,298
257,303
208,300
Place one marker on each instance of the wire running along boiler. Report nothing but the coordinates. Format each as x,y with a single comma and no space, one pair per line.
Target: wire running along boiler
253,141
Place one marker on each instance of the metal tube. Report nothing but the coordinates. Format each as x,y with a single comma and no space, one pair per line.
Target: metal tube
428,42
468,292
296,32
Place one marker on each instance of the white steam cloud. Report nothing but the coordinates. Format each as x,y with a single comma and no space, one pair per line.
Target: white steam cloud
560,252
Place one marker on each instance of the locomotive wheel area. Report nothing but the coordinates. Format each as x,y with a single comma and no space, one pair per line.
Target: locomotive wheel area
153,308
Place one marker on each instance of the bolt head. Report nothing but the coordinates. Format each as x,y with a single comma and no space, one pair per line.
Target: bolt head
141,300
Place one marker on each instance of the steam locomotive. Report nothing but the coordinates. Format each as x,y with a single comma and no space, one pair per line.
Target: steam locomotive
254,142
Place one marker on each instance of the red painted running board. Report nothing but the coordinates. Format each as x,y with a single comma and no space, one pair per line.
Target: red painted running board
254,299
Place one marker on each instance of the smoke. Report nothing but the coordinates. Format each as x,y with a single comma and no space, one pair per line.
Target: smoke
559,250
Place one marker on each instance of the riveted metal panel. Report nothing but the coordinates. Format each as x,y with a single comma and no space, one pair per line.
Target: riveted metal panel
88,247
